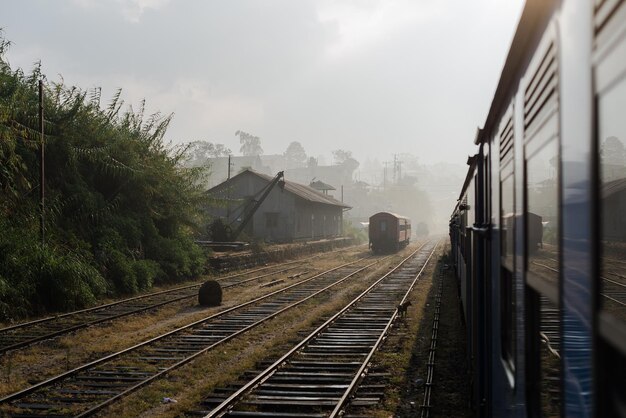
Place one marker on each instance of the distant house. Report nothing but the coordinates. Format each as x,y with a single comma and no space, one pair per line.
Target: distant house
291,211
321,186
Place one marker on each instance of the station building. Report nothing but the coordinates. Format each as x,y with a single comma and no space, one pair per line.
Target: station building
290,212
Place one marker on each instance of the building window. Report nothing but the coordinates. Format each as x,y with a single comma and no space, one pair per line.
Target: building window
271,219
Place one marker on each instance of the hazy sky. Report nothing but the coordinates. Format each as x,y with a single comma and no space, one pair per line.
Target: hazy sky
372,76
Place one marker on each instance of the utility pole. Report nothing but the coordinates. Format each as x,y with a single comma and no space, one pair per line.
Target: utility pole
228,193
385,175
229,165
395,168
42,189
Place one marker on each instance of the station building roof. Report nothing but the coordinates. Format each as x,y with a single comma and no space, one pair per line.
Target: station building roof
304,192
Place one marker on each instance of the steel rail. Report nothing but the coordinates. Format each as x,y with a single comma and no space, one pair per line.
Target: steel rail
361,372
425,407
5,333
151,294
122,314
144,343
224,340
603,293
25,392
266,374
147,295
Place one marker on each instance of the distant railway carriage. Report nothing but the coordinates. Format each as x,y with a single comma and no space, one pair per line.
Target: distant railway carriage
389,232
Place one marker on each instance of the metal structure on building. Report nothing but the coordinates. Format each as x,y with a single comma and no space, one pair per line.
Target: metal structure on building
287,213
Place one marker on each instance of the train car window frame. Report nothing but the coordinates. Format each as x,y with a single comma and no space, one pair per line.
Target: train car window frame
541,148
543,284
541,131
609,72
609,77
507,255
508,299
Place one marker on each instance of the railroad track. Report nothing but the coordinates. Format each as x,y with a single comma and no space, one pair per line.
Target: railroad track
89,388
319,376
250,259
27,333
613,290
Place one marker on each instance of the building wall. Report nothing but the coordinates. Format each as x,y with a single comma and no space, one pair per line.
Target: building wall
283,216
315,221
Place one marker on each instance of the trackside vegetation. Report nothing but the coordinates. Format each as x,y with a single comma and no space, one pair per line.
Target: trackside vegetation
120,209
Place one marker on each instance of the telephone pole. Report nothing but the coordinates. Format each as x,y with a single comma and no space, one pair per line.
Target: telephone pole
229,165
42,160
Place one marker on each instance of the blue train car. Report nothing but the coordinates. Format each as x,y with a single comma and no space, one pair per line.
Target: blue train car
539,231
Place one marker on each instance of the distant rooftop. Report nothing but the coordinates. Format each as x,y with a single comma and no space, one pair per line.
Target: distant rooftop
300,190
320,185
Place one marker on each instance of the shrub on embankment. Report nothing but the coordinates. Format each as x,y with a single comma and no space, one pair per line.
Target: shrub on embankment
120,209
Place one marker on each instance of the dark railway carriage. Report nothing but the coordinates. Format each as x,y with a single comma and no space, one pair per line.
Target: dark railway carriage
389,232
539,231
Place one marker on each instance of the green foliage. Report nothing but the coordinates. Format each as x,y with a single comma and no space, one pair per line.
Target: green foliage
257,246
120,208
198,153
250,144
220,231
295,153
36,279
354,232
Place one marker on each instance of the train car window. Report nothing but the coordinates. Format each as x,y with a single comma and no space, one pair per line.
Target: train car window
471,203
541,174
610,85
383,226
507,221
542,217
508,328
543,365
549,358
612,193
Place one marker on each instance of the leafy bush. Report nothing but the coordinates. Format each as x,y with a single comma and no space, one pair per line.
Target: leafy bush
121,210
39,280
351,231
67,282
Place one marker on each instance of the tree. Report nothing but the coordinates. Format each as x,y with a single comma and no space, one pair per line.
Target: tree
198,152
250,144
344,158
120,209
220,150
340,156
295,153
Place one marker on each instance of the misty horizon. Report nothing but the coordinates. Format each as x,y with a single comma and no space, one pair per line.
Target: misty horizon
330,75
